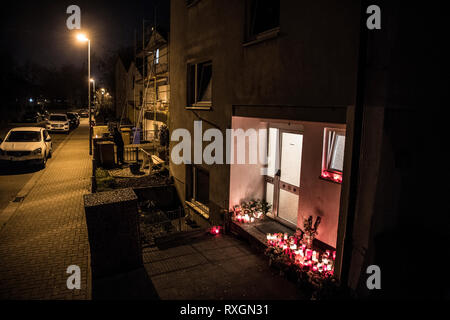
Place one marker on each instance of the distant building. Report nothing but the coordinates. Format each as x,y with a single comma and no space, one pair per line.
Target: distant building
128,91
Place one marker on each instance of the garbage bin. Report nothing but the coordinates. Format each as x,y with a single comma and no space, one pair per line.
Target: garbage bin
106,151
126,135
136,135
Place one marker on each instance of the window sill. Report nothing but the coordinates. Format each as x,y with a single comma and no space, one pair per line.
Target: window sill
199,107
331,177
199,208
260,37
193,3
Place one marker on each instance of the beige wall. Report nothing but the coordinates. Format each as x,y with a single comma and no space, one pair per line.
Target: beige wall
246,181
288,70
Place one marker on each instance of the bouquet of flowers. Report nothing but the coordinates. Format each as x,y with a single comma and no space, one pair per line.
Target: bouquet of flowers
310,230
251,210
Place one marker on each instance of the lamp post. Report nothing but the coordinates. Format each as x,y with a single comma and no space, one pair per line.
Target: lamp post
83,38
93,89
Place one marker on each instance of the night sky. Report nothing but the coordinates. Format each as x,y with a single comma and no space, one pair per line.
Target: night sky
36,30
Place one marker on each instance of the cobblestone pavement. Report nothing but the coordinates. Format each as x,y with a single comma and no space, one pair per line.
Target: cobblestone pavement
47,233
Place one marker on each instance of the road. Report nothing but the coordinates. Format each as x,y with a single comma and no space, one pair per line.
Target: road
46,233
12,180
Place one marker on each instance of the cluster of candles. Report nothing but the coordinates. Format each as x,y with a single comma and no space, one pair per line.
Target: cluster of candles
336,177
239,216
215,230
301,255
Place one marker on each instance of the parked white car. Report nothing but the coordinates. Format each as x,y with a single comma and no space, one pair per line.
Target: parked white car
58,122
26,144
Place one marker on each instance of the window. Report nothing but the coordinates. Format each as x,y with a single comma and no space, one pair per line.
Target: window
198,189
333,154
201,186
157,56
264,15
191,2
24,136
200,84
45,133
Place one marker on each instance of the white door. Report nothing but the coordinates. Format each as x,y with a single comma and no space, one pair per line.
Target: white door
283,177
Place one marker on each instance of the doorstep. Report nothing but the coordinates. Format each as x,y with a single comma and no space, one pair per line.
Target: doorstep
256,233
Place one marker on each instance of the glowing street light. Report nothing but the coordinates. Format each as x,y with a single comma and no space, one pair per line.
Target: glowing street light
82,37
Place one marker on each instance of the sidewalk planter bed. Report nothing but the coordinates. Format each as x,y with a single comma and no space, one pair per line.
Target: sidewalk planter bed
113,231
104,180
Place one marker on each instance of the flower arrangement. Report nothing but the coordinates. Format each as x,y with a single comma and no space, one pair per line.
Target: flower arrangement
250,211
310,230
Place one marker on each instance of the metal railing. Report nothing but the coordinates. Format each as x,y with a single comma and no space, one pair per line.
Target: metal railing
135,153
158,223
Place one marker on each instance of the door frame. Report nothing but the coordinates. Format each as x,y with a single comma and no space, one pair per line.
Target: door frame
275,180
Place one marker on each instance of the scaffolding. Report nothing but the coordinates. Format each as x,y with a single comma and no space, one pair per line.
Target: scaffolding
155,82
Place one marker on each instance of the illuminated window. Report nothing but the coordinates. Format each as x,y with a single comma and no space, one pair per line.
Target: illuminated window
333,154
157,56
199,84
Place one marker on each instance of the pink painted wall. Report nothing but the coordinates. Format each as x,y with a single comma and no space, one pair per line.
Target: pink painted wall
317,197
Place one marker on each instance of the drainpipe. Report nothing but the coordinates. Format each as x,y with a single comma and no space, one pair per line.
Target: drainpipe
356,146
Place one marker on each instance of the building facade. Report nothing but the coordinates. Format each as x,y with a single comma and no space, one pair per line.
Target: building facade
336,100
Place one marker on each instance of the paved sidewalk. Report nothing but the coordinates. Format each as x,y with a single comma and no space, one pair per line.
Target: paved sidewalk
47,233
215,268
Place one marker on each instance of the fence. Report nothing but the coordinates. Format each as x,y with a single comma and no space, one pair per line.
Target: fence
157,223
134,153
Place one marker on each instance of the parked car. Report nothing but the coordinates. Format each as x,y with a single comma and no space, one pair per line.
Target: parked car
83,113
73,119
58,122
31,117
26,144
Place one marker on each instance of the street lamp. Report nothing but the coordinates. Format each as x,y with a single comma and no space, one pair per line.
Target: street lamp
82,37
